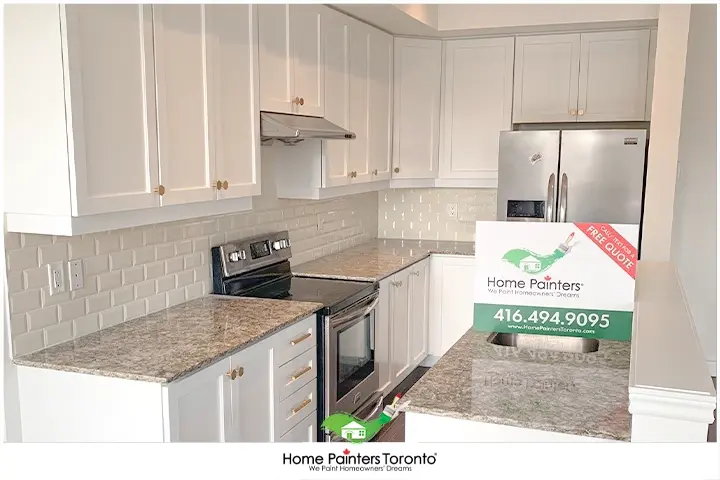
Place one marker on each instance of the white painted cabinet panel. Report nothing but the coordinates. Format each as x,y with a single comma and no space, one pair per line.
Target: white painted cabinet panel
336,33
380,91
477,106
416,105
651,74
275,59
546,78
231,38
187,170
400,362
111,107
383,334
419,311
358,58
613,76
307,56
305,431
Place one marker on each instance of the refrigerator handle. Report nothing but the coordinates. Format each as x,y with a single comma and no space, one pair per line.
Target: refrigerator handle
550,201
563,198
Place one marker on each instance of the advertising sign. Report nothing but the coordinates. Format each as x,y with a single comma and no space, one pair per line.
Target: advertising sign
564,279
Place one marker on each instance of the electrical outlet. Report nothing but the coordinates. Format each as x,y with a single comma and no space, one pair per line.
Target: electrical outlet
320,224
75,268
56,277
452,210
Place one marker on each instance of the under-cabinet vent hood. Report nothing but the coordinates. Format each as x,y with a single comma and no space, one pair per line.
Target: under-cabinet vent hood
291,129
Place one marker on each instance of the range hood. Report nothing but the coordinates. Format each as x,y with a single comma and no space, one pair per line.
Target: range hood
291,129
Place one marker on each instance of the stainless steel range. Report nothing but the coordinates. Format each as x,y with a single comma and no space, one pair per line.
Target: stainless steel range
348,372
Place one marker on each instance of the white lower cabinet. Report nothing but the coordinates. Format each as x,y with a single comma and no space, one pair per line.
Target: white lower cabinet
451,302
401,335
264,393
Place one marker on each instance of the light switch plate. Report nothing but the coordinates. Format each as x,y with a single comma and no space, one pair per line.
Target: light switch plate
75,267
56,277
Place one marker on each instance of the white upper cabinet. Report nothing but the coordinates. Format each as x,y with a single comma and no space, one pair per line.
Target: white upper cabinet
358,59
613,76
234,112
583,77
335,153
292,74
651,74
417,67
546,78
477,106
155,132
380,92
112,106
187,172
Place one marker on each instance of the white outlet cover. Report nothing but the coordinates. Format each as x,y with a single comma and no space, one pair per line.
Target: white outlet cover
77,280
56,278
452,210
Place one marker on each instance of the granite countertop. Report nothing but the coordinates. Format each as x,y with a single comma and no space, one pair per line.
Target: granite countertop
379,258
170,344
573,393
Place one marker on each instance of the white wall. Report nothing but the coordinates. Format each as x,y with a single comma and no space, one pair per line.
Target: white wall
132,272
422,213
474,16
694,227
423,12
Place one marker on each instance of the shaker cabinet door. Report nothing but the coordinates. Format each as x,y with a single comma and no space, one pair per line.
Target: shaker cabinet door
251,399
234,114
613,76
400,327
419,311
546,78
380,91
358,115
187,168
275,59
111,107
307,57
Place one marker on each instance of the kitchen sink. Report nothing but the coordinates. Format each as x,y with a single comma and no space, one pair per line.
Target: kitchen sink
545,342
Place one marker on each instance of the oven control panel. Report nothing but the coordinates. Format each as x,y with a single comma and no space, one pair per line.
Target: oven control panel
244,255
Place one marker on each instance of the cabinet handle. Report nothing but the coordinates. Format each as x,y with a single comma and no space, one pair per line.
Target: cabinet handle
302,405
232,374
302,101
300,373
300,339
573,112
296,101
374,172
225,185
416,273
160,190
396,169
581,112
397,284
218,185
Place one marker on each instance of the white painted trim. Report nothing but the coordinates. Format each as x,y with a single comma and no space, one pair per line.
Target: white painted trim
672,405
412,182
490,182
69,226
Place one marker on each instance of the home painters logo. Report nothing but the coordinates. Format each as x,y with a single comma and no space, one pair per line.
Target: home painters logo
533,263
355,430
346,461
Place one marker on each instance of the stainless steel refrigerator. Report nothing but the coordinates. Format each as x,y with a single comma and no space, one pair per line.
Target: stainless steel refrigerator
571,176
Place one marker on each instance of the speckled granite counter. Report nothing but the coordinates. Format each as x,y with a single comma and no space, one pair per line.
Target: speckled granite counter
572,393
175,342
379,258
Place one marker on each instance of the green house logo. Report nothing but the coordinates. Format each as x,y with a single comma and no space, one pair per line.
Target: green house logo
533,263
353,429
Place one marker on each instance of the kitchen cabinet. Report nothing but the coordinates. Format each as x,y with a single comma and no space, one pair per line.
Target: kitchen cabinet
380,111
416,105
651,74
263,393
477,106
401,334
452,278
583,77
157,132
358,55
292,74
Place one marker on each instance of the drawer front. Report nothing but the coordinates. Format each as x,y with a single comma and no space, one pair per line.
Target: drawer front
303,432
294,340
295,408
295,373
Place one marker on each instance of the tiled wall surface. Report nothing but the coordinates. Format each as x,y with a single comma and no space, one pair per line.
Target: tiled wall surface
132,272
423,213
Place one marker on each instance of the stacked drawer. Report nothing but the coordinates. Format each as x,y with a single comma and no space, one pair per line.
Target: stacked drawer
295,382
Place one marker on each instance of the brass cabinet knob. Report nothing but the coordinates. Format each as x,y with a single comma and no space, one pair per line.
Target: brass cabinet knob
160,190
296,101
224,185
240,371
396,169
218,185
573,112
375,172
581,112
232,374
302,101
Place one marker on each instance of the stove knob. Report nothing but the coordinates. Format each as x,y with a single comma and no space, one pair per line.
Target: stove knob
242,254
234,257
283,243
276,245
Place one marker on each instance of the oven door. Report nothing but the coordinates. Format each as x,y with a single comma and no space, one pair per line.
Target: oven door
352,371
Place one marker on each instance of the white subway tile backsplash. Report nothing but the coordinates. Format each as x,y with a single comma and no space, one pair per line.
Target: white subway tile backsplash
423,213
131,272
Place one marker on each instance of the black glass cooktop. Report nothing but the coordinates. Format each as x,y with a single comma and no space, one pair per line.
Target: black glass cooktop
279,283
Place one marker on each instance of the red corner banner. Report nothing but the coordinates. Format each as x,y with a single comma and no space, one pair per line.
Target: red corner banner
615,246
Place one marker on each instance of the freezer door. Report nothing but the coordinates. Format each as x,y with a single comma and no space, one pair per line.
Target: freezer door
601,176
527,176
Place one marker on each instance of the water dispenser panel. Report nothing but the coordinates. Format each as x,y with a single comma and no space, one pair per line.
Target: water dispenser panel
526,210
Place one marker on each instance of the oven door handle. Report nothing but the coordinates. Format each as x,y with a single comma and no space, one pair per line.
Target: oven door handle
352,316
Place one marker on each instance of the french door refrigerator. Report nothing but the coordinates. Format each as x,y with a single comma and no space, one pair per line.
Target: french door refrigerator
571,176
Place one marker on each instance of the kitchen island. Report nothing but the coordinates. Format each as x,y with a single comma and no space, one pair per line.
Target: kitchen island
479,391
